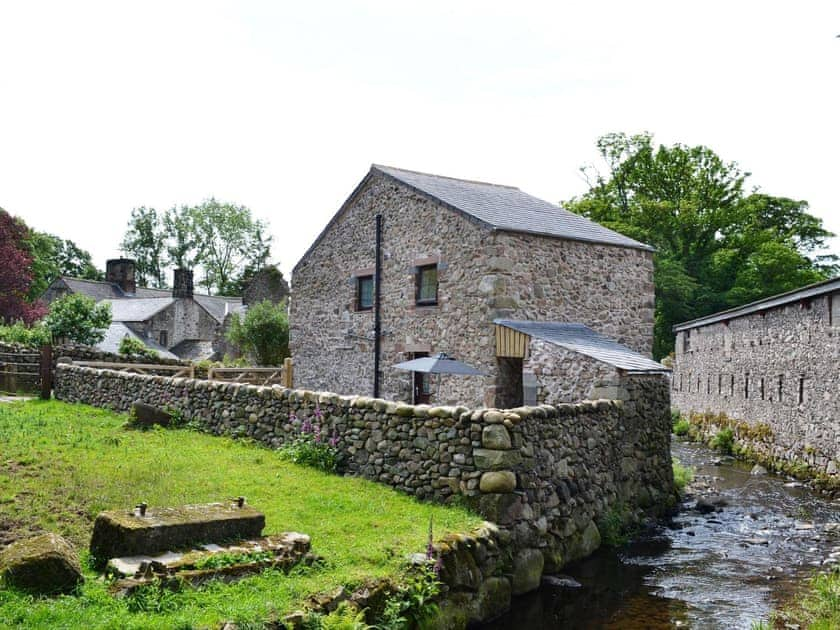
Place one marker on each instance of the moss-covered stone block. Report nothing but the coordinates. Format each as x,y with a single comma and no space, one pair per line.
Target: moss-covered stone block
127,533
43,565
527,571
492,599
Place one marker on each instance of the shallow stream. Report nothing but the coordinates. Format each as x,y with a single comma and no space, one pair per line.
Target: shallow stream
725,568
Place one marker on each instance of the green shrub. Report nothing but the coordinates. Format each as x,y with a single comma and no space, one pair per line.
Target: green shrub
613,526
723,441
78,318
681,427
310,447
413,605
263,332
133,347
34,336
683,475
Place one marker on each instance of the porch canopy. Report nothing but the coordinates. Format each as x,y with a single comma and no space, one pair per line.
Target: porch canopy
513,339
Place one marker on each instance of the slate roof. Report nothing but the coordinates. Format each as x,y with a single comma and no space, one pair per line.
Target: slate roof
96,289
137,309
216,305
193,349
509,209
115,333
583,340
774,301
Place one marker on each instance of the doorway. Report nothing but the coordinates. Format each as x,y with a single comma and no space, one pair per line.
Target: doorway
509,386
422,387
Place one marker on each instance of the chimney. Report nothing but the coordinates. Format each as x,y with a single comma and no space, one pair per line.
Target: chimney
182,287
120,271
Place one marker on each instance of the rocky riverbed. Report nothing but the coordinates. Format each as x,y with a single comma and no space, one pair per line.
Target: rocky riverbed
742,544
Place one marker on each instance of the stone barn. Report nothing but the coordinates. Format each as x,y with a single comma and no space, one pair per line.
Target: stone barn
772,365
545,303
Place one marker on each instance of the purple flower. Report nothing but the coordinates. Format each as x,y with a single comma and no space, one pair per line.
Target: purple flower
306,427
318,413
438,566
317,434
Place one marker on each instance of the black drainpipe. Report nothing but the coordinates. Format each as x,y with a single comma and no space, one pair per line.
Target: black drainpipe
377,322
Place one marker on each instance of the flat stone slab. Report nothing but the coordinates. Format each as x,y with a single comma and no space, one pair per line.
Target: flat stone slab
120,533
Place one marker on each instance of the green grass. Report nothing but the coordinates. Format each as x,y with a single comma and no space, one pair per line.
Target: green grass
683,475
62,464
820,607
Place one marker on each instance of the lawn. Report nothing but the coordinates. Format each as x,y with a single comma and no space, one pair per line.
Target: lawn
61,464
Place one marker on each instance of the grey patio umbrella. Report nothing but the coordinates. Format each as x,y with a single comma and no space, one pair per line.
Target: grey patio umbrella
439,364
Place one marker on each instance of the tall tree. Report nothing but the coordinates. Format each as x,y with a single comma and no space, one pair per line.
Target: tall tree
229,239
53,257
716,246
181,245
16,272
144,242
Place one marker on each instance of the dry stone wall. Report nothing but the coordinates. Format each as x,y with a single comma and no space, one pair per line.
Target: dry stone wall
482,275
776,374
546,474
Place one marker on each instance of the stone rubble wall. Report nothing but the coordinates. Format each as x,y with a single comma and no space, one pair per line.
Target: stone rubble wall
735,369
545,474
566,376
482,275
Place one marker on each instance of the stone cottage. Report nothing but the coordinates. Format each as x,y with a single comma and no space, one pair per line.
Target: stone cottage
176,323
772,364
545,303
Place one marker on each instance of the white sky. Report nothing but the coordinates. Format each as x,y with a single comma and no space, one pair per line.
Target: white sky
283,106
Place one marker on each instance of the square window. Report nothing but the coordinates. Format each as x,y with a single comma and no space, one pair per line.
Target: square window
163,338
426,285
364,293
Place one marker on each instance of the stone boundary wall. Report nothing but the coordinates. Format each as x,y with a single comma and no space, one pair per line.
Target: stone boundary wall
545,475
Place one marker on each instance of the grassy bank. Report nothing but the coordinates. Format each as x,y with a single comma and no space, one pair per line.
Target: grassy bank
62,464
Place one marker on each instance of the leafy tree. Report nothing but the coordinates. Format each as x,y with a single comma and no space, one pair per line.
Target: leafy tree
263,332
144,242
133,347
181,247
716,246
53,257
229,239
16,272
78,318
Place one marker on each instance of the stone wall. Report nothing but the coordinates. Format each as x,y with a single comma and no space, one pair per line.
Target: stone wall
546,474
775,372
482,275
563,376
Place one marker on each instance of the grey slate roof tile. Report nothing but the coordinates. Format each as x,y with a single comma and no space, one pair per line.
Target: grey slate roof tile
509,209
137,309
115,333
582,339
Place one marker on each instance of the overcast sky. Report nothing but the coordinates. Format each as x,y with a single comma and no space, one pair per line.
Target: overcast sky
284,106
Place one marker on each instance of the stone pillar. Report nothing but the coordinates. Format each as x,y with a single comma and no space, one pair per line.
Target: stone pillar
182,287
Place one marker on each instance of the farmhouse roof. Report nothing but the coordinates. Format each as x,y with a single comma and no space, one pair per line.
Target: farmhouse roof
583,340
216,305
137,309
774,301
114,335
509,209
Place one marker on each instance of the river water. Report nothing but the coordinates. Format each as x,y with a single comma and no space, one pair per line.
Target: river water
726,568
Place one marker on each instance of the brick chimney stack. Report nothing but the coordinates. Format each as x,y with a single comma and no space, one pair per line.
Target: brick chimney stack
120,271
182,287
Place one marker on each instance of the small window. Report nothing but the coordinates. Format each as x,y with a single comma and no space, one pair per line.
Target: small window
364,293
687,341
781,386
801,389
427,285
746,386
163,338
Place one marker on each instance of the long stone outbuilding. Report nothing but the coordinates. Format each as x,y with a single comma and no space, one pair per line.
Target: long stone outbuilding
769,371
460,267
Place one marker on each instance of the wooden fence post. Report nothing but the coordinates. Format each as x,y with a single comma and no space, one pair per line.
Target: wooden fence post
46,372
288,373
10,379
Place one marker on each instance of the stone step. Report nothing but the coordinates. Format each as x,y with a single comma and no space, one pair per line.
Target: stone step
158,529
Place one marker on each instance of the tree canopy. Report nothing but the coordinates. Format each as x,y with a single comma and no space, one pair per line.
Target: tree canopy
263,333
16,272
223,239
717,246
52,257
78,318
